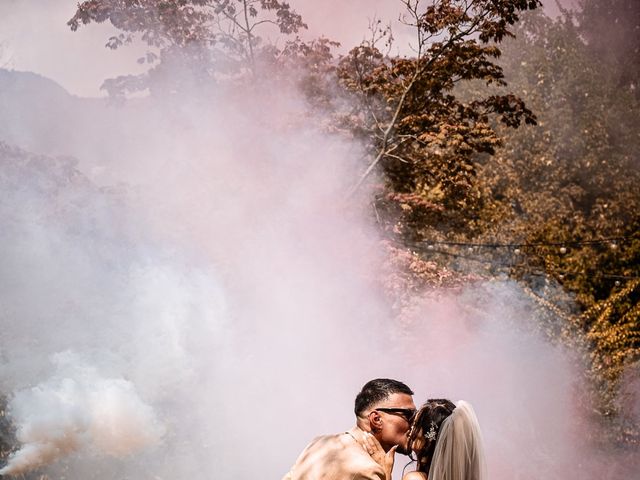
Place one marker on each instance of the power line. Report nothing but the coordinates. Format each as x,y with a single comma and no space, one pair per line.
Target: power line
506,266
570,243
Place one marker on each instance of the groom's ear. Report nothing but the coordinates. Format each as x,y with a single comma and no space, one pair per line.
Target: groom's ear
375,419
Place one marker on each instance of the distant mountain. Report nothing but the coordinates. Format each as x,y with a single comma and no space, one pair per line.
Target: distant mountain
33,110
17,83
38,115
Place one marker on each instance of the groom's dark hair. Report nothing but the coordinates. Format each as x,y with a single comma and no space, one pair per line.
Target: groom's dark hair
375,391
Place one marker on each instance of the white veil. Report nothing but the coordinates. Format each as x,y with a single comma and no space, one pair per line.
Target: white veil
459,453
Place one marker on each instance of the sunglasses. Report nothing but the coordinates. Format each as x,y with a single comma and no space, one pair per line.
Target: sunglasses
407,413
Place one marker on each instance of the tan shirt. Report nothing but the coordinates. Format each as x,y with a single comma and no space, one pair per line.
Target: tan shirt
336,457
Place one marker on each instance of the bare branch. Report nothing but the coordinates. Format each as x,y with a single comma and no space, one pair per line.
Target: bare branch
421,67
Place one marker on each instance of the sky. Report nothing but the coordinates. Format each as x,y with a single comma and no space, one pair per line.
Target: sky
80,62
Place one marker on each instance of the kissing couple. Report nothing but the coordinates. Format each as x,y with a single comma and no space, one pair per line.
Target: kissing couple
444,437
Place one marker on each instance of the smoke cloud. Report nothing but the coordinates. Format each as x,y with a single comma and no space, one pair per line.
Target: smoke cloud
75,409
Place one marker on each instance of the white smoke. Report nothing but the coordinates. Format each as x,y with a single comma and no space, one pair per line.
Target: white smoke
75,410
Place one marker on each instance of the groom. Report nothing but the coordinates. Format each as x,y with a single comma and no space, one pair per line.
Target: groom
384,410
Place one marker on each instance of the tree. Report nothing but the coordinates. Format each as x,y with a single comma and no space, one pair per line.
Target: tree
7,431
553,206
562,197
421,135
611,30
210,38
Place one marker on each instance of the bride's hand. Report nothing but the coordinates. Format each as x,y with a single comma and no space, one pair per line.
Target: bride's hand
382,458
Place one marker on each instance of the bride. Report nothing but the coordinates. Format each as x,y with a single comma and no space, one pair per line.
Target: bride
447,442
